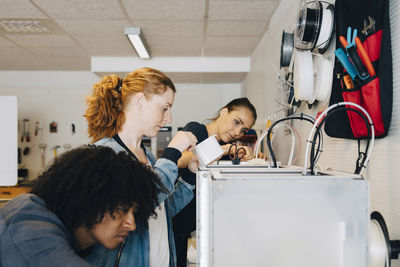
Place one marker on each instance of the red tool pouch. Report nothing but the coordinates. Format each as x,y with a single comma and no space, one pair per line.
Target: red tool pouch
374,94
358,126
369,98
372,104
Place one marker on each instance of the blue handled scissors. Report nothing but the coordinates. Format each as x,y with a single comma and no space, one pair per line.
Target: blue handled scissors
351,49
351,40
236,154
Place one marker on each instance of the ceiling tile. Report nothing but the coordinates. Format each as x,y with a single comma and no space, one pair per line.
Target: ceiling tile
171,41
115,41
41,40
94,27
77,9
14,58
233,46
241,10
165,10
105,52
236,28
227,52
59,51
4,42
19,9
170,28
79,29
176,51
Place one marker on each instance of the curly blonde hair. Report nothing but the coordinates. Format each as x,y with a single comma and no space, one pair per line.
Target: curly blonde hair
110,96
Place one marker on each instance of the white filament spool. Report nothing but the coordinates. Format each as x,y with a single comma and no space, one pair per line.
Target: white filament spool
378,250
303,77
326,29
323,71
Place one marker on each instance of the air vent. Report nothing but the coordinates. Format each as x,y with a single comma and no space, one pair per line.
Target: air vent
28,26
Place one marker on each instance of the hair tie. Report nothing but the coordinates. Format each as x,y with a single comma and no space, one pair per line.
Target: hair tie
119,86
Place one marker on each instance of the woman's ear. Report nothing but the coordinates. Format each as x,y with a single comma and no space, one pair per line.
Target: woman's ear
139,99
223,112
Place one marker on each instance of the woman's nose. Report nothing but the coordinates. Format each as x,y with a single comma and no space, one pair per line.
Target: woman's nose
238,132
168,117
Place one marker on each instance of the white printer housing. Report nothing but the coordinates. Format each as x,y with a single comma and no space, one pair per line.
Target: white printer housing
260,216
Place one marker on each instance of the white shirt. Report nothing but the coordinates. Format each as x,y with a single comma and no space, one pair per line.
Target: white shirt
159,245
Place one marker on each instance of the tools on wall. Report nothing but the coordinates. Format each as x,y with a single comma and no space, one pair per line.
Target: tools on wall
38,128
25,131
35,142
363,71
53,127
42,147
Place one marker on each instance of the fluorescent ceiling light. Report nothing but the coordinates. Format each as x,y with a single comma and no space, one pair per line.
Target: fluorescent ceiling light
138,42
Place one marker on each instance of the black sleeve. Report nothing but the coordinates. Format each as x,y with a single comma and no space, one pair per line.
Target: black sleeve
199,130
172,154
187,176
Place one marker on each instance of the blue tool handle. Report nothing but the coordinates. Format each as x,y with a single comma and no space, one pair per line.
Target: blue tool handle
358,64
341,55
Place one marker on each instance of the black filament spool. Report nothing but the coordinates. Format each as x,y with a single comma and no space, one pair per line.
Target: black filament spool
287,47
325,45
310,25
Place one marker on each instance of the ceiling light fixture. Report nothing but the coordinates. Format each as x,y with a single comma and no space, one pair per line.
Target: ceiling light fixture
138,42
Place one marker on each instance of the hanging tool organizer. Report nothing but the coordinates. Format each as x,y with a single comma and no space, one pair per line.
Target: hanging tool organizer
363,67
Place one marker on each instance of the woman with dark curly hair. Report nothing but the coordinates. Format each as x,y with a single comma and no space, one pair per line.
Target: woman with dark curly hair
88,195
120,113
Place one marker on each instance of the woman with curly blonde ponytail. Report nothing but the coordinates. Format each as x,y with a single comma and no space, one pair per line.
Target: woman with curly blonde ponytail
120,113
104,113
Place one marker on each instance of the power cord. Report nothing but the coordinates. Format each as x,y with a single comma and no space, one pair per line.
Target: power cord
300,116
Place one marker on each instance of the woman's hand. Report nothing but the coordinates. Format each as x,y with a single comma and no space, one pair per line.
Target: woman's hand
194,164
247,156
249,153
183,141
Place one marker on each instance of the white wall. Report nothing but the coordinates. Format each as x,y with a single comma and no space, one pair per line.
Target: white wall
60,96
197,102
261,86
49,96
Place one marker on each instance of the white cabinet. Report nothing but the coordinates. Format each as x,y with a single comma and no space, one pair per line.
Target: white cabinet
8,140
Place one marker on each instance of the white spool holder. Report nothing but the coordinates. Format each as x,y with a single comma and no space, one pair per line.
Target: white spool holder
323,75
303,78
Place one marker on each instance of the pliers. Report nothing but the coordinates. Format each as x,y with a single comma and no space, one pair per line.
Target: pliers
351,49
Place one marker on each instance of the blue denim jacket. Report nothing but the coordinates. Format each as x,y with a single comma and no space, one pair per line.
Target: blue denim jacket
136,249
32,235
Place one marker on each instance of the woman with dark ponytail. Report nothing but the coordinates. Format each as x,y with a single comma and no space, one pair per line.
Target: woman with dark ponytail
231,123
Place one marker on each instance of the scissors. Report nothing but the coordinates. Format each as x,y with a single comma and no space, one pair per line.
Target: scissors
236,154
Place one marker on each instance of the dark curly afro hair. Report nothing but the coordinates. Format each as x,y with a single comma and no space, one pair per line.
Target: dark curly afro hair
85,183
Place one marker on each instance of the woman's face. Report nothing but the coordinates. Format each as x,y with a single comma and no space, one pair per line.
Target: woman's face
156,112
233,125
